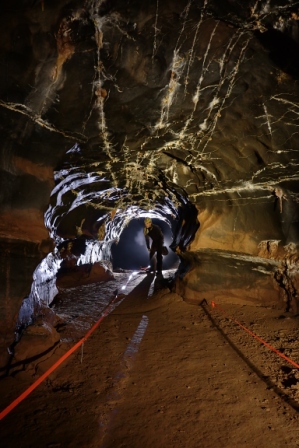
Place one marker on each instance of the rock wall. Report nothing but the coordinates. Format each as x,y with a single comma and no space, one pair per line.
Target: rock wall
18,261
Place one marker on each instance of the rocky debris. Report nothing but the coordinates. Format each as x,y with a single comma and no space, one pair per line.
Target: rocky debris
37,340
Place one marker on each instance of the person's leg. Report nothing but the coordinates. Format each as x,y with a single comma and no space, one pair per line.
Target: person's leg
152,259
159,261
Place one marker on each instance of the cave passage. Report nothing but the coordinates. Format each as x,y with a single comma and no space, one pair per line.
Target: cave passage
131,253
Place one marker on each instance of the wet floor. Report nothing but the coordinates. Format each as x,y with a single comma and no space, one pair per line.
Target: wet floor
80,307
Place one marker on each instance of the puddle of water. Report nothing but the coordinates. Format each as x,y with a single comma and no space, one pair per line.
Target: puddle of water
126,365
80,307
137,338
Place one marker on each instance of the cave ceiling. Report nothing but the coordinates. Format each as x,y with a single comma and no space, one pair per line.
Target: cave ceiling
149,107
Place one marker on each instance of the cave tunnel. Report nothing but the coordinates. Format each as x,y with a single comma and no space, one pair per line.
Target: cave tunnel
131,253
92,223
185,112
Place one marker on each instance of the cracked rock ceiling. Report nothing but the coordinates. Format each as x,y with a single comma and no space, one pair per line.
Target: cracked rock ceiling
147,105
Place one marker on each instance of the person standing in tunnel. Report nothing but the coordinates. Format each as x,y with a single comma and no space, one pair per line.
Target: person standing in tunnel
154,233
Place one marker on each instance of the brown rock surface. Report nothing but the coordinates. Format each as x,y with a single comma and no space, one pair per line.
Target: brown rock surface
160,372
83,275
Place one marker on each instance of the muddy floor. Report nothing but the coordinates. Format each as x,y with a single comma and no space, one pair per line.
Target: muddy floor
158,372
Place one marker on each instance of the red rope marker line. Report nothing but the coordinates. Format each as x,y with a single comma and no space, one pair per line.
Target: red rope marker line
214,305
57,363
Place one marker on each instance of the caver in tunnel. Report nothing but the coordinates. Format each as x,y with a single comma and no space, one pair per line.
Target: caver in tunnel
127,250
131,253
93,227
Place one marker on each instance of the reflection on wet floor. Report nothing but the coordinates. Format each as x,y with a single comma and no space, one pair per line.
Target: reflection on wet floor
115,395
80,307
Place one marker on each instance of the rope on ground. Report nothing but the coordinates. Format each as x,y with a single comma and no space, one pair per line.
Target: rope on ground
214,305
60,361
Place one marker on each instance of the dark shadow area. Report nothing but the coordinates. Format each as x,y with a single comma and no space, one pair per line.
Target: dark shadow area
283,50
22,364
143,288
185,228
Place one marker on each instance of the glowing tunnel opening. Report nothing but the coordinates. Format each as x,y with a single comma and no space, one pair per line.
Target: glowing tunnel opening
130,252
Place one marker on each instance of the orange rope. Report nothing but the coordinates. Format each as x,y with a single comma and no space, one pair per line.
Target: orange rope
214,305
54,366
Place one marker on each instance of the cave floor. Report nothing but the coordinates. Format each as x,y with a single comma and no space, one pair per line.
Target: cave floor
159,372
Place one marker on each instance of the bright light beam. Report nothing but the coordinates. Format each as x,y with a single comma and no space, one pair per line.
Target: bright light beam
130,277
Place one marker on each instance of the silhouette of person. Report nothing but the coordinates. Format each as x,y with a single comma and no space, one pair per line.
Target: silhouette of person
155,246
